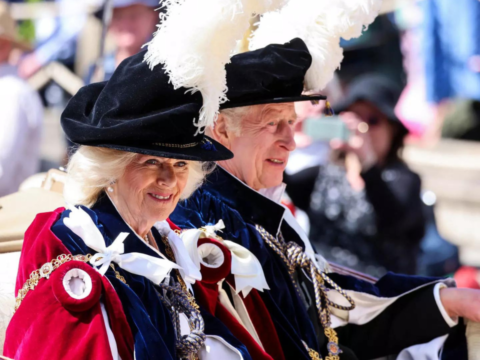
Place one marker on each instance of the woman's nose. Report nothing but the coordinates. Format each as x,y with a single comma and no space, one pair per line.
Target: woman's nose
166,176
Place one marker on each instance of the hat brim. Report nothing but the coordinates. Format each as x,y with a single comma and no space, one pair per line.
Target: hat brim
385,110
278,100
199,152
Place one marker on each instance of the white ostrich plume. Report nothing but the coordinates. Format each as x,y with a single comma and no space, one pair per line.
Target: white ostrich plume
320,24
195,40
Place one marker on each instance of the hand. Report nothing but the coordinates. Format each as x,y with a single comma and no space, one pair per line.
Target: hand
461,303
360,143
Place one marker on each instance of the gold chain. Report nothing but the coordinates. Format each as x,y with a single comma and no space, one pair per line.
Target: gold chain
314,355
44,272
281,248
48,268
171,255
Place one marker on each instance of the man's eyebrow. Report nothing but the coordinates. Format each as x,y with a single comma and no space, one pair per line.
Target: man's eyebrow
273,111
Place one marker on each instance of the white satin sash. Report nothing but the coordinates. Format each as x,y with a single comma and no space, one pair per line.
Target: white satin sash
152,268
246,268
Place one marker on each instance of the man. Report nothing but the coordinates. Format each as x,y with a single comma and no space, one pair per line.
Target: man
258,126
132,25
21,115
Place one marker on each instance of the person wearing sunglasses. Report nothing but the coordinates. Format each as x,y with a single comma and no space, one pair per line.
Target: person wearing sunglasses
365,208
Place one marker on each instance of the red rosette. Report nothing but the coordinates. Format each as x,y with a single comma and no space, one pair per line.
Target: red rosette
76,286
220,267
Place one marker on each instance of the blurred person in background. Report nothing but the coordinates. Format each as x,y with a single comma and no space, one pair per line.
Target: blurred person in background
132,25
56,36
21,114
365,208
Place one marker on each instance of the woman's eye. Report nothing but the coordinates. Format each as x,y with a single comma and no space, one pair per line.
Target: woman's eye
152,162
181,164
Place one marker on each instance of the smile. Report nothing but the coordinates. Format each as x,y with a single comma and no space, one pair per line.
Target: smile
276,161
160,197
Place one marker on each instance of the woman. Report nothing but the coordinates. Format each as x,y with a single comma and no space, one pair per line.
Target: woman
365,208
139,155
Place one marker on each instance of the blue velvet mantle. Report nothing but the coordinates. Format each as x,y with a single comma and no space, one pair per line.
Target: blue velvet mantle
224,197
149,319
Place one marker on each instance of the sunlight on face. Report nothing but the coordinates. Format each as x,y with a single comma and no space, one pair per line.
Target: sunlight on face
262,149
151,187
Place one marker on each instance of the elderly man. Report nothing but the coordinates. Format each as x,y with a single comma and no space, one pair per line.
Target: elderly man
257,125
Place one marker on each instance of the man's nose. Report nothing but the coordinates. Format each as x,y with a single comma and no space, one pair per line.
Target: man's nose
287,137
166,176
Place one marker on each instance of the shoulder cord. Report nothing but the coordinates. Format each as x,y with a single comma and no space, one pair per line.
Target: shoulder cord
188,345
176,299
294,257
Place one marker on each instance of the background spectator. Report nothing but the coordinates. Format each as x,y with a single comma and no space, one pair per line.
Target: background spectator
21,115
365,209
132,25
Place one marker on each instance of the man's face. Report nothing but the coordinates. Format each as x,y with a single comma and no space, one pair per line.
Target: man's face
133,25
263,145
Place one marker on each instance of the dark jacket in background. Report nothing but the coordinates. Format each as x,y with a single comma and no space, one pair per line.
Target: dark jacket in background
375,230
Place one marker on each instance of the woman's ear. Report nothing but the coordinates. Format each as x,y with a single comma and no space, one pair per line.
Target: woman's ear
220,131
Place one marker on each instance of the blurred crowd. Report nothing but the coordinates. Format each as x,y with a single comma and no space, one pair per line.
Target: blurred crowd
412,78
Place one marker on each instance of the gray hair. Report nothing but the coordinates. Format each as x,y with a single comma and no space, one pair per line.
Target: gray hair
234,118
92,169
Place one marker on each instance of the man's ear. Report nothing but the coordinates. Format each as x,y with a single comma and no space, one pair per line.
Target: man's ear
220,132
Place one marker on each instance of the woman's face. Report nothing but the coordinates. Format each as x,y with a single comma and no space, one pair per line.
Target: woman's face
150,189
379,128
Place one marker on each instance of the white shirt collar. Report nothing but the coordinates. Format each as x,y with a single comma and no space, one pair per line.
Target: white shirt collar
274,193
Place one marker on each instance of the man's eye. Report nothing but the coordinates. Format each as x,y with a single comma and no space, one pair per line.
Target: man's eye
291,122
181,164
273,123
152,162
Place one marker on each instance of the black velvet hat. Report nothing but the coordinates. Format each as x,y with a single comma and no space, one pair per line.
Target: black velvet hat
138,111
273,74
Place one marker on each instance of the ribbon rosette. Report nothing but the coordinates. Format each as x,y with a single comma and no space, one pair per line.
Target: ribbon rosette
246,268
152,268
189,272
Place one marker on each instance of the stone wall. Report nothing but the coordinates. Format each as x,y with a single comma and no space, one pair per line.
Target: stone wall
451,169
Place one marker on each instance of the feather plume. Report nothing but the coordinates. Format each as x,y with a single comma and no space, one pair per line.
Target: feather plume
321,24
195,40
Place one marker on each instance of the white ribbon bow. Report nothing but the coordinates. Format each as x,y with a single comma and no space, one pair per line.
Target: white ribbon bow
152,268
246,268
189,272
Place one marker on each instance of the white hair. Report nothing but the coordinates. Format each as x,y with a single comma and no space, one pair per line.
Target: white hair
234,118
92,169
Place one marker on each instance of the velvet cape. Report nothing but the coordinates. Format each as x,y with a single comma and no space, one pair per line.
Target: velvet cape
148,319
413,320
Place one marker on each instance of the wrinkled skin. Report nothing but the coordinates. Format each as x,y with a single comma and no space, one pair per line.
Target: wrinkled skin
263,146
144,178
267,133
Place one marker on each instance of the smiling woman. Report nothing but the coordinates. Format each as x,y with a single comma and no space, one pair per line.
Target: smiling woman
144,188
92,169
112,264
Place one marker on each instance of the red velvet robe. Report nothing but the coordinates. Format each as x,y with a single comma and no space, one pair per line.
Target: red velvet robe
50,324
